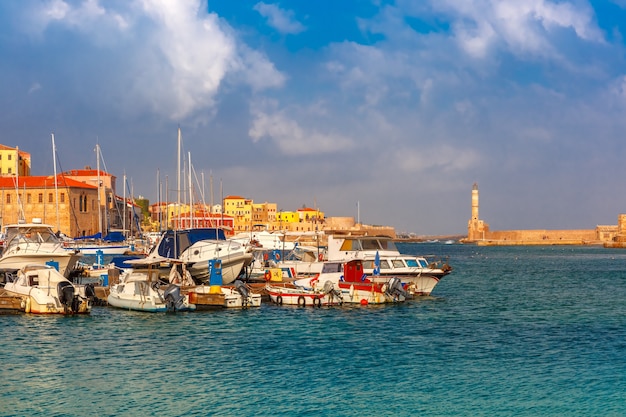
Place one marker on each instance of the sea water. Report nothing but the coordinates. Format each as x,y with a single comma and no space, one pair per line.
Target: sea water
512,331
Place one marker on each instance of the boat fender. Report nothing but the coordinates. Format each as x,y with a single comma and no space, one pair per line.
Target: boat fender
277,256
317,302
320,257
279,300
301,301
268,275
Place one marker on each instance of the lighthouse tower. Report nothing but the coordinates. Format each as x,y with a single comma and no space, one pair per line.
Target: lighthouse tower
476,228
475,202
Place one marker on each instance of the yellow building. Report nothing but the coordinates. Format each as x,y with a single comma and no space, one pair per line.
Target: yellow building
13,160
240,209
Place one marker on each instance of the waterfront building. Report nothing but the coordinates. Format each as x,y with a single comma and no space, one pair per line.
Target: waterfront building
13,160
69,206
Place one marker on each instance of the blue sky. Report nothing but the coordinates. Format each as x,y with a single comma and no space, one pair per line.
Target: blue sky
396,107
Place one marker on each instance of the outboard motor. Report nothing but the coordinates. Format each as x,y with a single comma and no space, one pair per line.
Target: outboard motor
395,289
329,288
173,298
241,288
66,296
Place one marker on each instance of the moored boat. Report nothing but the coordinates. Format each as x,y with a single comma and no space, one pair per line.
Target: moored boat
289,294
356,286
238,295
142,289
45,291
36,243
198,248
419,275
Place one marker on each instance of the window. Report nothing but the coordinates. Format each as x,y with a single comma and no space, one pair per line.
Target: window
10,170
62,197
9,157
8,198
28,198
40,198
50,198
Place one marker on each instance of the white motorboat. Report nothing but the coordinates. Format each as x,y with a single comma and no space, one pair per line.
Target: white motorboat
45,291
141,289
199,248
36,243
355,286
420,275
264,240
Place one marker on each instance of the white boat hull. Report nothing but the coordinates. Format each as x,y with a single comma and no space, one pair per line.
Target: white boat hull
38,286
67,261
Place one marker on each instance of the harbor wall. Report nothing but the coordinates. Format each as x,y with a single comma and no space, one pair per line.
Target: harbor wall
540,237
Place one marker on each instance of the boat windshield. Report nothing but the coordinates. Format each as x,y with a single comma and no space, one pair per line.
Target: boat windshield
33,234
368,244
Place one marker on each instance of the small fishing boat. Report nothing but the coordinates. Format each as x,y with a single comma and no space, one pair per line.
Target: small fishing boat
289,294
238,295
45,291
142,289
355,285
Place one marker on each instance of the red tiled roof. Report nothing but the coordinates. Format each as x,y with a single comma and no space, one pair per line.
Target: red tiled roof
87,173
43,182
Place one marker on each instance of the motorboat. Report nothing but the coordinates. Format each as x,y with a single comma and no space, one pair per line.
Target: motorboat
238,295
143,289
46,291
356,286
36,243
198,248
264,240
421,275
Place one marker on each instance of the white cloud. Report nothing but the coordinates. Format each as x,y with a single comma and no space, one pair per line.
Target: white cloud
291,138
438,158
33,88
87,16
176,56
523,27
280,19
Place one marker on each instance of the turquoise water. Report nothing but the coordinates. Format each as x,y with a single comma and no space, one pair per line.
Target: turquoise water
522,331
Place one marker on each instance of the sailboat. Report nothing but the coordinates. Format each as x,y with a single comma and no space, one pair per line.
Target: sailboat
113,243
198,248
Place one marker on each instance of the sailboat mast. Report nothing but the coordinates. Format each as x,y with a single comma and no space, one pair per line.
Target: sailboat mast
124,209
178,179
190,193
56,185
99,190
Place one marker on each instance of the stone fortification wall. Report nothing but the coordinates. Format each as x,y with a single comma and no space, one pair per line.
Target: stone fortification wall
540,237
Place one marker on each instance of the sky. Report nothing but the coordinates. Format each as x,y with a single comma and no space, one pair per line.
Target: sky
386,111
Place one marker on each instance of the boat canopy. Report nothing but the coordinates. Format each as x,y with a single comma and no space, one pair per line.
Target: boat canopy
175,242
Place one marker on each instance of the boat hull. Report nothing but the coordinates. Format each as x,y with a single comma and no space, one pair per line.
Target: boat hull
301,297
67,261
231,268
142,296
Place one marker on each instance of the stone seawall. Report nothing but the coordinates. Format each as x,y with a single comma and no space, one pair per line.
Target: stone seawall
540,237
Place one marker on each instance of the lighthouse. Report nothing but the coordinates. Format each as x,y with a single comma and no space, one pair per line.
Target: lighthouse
476,228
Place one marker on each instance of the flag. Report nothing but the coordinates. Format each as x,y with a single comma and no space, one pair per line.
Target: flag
377,264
